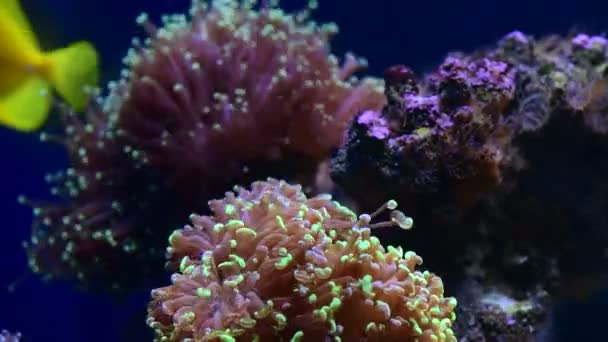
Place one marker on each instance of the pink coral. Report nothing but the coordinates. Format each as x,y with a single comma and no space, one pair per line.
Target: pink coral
271,263
232,88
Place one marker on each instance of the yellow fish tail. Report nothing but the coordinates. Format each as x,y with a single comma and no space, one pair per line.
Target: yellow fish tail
26,107
72,70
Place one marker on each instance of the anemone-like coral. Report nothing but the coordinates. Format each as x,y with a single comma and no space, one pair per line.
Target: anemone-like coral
271,264
103,231
220,97
234,94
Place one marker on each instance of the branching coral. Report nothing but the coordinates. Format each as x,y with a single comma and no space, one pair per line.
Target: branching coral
271,263
221,98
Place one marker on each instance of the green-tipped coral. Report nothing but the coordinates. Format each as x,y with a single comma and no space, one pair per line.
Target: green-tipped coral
271,264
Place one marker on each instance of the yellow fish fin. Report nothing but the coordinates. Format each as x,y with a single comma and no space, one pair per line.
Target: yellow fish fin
26,108
72,70
12,11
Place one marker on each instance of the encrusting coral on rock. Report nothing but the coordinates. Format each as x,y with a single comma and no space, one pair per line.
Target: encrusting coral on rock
226,95
270,263
503,149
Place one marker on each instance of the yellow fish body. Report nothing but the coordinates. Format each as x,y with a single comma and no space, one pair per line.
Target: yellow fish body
27,74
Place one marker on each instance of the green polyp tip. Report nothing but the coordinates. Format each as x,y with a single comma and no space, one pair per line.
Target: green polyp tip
321,313
281,320
189,269
366,285
398,252
452,302
333,328
247,322
312,298
176,233
303,210
283,262
225,264
240,261
234,282
435,310
409,255
308,238
363,245
226,338
297,336
281,222
203,293
182,264
335,304
391,204
246,231
323,273
235,224
229,209
415,326
316,227
218,227
233,243
188,316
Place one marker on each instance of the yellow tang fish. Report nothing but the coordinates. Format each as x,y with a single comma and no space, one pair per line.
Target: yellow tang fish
27,74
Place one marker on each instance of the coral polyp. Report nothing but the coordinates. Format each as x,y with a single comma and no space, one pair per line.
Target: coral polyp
271,264
222,96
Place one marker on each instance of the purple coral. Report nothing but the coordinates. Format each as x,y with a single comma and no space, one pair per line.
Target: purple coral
445,133
504,148
213,99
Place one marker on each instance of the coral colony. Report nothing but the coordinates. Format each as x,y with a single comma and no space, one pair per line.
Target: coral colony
271,264
205,103
487,153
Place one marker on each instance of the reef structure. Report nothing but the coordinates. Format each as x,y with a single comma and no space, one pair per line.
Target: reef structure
271,264
503,153
219,97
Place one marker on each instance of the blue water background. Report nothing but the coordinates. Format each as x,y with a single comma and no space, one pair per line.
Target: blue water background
416,33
